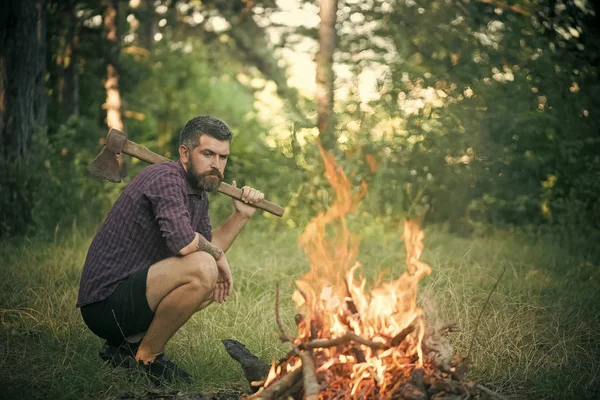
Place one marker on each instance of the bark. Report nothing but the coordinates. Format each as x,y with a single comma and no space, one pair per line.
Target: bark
111,83
41,98
22,76
113,98
67,82
281,388
309,376
71,70
254,368
325,77
348,337
22,104
113,105
148,24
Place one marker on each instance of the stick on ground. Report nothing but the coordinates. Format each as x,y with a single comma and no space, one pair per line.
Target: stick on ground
311,384
279,387
282,335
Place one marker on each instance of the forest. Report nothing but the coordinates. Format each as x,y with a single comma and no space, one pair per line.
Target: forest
476,118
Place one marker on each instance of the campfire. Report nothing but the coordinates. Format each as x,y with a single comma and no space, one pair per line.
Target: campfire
354,343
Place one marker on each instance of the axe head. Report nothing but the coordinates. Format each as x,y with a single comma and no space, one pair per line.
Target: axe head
106,165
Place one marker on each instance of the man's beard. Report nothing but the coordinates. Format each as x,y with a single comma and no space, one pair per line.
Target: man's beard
208,181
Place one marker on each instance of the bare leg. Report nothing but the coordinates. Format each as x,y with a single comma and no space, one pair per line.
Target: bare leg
176,288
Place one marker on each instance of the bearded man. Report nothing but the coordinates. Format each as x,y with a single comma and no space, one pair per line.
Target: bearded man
155,260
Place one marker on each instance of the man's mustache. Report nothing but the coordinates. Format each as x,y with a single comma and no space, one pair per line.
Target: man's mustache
213,171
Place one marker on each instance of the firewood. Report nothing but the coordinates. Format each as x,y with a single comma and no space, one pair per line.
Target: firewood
359,354
396,340
254,368
311,384
280,387
490,392
349,336
325,343
282,335
415,388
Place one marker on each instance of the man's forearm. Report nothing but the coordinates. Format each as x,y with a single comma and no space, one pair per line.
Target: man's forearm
205,245
201,244
225,234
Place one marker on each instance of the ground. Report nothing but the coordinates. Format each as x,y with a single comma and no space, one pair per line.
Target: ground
537,337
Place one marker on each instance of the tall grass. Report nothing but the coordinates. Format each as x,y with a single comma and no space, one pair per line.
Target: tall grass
538,336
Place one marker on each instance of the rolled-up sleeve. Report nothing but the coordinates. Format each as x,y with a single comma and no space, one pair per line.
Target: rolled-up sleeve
204,227
168,198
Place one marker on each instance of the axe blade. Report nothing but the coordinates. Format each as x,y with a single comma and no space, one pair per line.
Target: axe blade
105,166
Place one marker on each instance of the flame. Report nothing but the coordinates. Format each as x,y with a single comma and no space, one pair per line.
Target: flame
273,373
334,302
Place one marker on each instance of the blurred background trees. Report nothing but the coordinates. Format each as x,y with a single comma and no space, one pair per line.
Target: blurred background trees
471,113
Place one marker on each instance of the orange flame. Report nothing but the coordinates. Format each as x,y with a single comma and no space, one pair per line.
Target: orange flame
330,258
335,303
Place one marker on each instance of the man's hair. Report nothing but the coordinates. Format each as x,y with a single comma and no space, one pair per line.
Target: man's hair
204,125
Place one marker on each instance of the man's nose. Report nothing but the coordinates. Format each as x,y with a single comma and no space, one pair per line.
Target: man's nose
216,162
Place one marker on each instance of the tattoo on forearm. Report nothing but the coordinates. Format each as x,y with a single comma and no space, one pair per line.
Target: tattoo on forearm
205,245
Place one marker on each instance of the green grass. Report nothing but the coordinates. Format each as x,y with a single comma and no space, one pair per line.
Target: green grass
539,336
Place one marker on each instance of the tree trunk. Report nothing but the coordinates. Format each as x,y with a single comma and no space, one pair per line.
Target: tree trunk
148,24
23,102
325,78
67,81
41,98
111,83
71,88
22,76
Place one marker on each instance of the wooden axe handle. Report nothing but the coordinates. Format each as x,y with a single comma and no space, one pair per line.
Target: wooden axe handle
145,154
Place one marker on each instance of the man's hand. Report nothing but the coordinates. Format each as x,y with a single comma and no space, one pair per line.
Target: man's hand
224,284
249,197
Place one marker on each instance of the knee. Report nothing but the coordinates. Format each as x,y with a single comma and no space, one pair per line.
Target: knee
203,269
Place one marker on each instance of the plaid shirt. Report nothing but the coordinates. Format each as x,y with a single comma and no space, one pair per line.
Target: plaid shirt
154,218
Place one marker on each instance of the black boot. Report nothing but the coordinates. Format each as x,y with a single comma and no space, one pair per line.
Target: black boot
121,355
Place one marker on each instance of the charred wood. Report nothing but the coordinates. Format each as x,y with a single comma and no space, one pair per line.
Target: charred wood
280,387
253,367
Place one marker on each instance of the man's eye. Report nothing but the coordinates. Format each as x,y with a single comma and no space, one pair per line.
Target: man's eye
223,157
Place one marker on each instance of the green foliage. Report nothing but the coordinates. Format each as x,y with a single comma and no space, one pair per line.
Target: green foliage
484,115
53,185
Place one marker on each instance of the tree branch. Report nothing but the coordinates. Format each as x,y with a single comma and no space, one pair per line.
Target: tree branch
279,387
311,384
282,335
348,337
505,6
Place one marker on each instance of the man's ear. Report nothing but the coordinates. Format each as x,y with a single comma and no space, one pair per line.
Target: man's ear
184,154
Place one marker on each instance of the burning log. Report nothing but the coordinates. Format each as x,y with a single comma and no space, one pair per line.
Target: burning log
396,340
280,389
415,388
309,367
349,336
369,346
311,385
255,370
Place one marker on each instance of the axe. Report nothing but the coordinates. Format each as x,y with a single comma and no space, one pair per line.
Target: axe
106,166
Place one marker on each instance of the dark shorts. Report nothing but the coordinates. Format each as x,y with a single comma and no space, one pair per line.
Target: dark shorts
125,312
